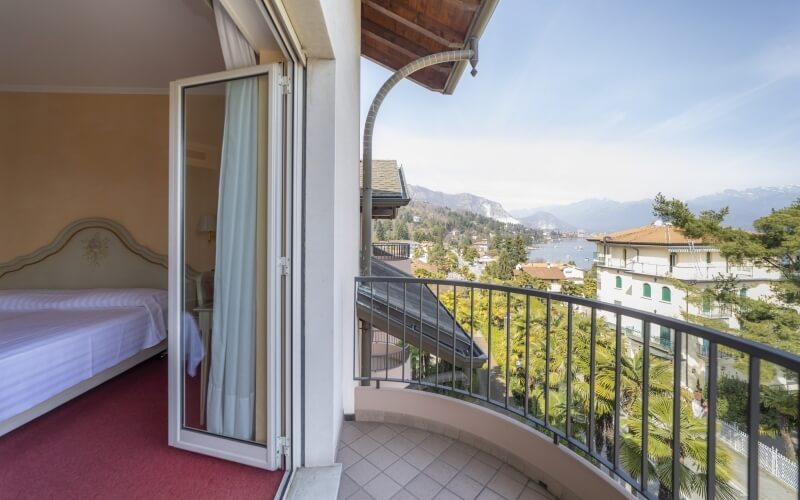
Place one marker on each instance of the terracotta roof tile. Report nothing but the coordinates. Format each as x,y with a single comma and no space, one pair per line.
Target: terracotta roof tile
653,234
545,273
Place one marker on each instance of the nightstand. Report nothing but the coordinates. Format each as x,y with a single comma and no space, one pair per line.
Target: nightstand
205,318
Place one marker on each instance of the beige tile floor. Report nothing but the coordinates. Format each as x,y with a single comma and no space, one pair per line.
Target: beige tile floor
389,461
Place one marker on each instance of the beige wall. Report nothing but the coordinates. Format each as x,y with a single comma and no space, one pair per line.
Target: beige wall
205,120
68,156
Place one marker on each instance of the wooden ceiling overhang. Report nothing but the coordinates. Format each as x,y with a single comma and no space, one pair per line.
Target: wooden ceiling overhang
396,32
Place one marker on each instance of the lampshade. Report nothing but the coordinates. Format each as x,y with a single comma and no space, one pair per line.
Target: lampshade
208,223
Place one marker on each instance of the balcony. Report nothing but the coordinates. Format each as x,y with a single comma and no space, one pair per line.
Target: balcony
549,386
686,271
391,251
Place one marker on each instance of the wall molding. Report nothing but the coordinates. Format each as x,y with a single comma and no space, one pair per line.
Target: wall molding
70,89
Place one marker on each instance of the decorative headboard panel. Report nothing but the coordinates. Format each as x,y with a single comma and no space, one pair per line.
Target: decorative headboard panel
89,253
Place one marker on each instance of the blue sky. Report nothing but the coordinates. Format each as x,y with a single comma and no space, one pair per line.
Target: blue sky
613,99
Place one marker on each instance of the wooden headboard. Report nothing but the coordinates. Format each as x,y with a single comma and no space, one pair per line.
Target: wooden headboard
89,253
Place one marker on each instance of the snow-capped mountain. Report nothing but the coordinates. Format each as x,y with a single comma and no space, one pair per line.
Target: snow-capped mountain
605,215
463,201
546,221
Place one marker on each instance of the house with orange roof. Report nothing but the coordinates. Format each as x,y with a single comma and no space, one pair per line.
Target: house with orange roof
637,268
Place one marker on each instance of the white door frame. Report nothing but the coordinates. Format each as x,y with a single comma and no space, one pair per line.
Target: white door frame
268,457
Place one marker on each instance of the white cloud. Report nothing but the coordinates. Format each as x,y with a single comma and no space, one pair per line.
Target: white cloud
706,112
780,60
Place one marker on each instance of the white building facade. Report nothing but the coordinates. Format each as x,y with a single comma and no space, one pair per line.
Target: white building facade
649,268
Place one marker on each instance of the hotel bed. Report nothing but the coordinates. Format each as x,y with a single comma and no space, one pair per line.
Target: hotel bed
58,342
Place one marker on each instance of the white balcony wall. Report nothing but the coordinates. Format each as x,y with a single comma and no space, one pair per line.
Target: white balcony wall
700,265
329,31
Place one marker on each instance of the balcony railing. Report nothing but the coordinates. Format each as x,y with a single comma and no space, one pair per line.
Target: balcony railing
391,251
698,271
562,364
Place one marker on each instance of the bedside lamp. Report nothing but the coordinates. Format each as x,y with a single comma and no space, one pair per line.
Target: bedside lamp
208,224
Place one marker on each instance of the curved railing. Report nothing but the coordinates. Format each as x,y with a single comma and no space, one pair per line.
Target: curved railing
563,364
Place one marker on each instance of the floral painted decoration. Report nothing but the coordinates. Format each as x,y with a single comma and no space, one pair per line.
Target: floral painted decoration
95,248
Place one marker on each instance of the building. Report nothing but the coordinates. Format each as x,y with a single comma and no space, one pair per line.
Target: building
481,245
572,273
637,268
635,265
199,160
389,190
553,274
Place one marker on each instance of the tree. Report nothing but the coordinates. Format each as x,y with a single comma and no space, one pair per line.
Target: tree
528,318
693,446
400,230
774,245
436,254
425,274
779,414
470,253
380,231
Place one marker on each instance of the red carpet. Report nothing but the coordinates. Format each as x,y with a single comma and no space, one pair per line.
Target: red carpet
111,443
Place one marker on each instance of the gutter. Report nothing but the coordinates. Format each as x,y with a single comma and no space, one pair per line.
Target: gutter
476,29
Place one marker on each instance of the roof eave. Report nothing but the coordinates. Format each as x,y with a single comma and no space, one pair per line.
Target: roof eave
644,244
476,30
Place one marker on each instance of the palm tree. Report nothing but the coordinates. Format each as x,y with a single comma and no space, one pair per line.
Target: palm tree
693,430
693,450
779,416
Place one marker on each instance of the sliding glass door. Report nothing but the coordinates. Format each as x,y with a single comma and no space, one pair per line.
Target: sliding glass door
226,189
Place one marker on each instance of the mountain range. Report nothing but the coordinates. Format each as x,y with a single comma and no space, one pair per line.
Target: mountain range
604,215
463,201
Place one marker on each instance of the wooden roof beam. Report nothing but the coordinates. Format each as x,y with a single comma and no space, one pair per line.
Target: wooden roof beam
424,25
467,5
378,34
443,70
433,82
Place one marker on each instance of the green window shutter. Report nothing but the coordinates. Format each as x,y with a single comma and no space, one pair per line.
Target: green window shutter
618,282
646,290
664,337
666,294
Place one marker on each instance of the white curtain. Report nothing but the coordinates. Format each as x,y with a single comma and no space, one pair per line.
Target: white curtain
232,380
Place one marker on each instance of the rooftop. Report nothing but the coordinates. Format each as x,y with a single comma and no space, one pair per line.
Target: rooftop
545,272
652,234
389,191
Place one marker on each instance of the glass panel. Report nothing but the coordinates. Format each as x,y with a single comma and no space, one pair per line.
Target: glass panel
777,451
630,404
224,327
604,385
731,425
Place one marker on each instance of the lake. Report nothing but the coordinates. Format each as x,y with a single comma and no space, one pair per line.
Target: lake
578,250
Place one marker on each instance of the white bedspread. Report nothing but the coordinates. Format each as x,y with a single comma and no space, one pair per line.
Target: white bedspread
152,300
51,340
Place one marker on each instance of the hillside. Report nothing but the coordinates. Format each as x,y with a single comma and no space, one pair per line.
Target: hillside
423,221
463,201
546,221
